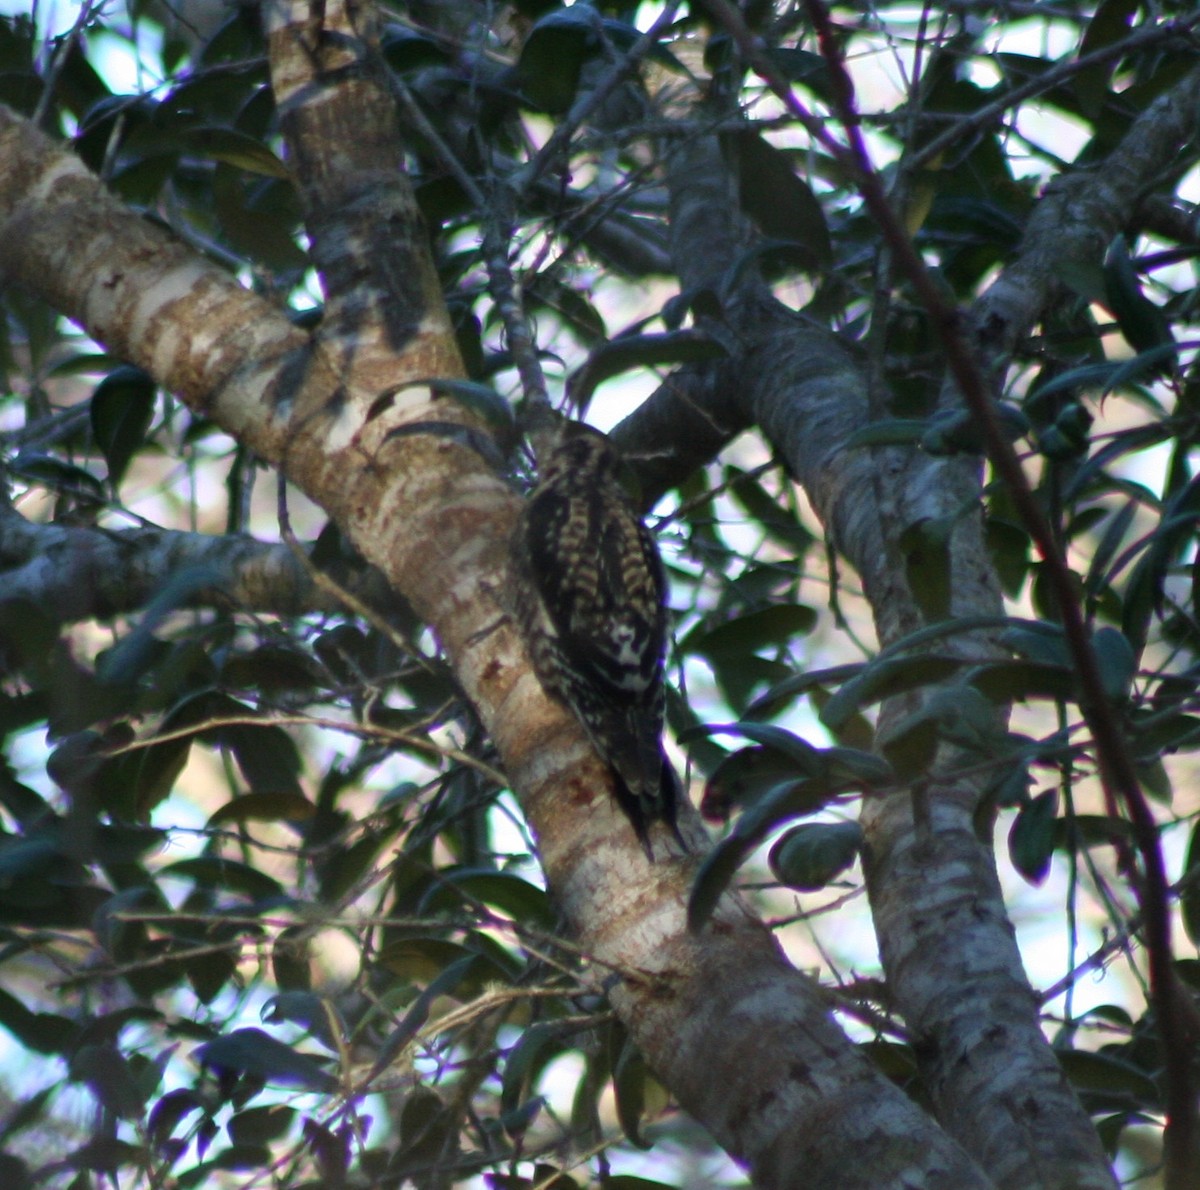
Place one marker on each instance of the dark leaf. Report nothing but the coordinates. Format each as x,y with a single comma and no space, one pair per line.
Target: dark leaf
42,1032
281,806
121,410
260,1125
251,1051
778,199
516,898
883,678
1189,894
225,875
233,148
1142,323
787,801
538,1045
629,1083
1118,665
639,351
106,1155
1031,839
926,546
770,627
14,1173
108,1075
1110,1076
809,856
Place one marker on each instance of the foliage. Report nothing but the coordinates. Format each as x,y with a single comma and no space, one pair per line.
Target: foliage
263,898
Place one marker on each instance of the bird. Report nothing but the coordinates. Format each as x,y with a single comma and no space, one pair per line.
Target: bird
590,600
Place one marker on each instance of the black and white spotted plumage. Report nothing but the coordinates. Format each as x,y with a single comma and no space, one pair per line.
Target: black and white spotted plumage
590,597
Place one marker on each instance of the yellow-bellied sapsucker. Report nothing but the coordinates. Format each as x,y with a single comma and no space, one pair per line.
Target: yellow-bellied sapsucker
590,597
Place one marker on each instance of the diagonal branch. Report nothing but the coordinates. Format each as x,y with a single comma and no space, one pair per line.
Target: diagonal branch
81,572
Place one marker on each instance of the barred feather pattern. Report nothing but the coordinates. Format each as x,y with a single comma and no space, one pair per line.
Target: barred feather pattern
590,598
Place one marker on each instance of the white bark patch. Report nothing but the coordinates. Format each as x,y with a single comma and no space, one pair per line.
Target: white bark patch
173,286
342,429
434,323
653,931
61,166
409,401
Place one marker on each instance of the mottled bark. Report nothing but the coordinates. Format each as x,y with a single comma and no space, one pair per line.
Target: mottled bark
76,572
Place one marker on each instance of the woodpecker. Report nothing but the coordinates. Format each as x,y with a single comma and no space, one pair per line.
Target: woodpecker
590,599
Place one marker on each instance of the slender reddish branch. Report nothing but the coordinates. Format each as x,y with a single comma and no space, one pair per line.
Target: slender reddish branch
1114,762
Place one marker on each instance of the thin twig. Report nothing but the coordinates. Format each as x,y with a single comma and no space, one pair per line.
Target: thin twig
983,116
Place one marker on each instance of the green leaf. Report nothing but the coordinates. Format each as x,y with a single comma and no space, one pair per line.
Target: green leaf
786,801
806,68
42,1032
260,1125
959,431
1107,1074
805,759
258,216
425,1127
1039,641
1143,324
406,49
1031,839
1109,23
481,399
290,959
1019,681
1104,378
571,305
525,903
640,351
251,1051
1105,549
281,806
445,983
926,546
1118,665
555,49
629,1085
910,745
774,195
1091,830
108,1076
778,521
539,1044
209,973
1189,894
809,856
745,776
105,1154
121,411
53,473
134,654
169,1111
233,148
770,627
884,677
348,865
769,702
225,875
26,1113
713,877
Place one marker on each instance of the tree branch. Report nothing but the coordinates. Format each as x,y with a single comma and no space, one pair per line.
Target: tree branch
390,464
78,572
